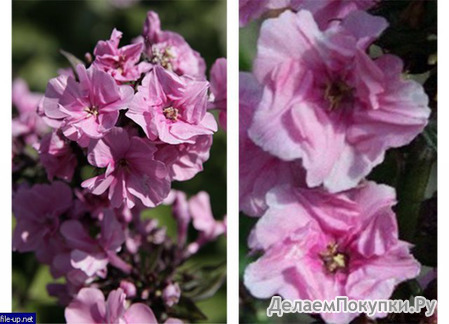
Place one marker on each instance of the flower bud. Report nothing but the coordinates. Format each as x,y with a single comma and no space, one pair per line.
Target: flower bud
171,294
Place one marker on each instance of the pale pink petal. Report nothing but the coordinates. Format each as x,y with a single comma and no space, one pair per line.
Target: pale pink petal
112,234
77,236
90,263
377,278
139,313
87,307
365,27
115,306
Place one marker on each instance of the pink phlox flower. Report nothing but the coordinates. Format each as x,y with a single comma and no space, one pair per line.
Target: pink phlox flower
218,88
86,109
318,245
254,9
67,72
63,292
185,160
325,12
171,294
57,156
181,213
88,203
27,123
143,230
170,50
323,93
61,265
75,280
128,288
203,221
37,211
121,63
131,171
255,162
92,255
172,108
90,307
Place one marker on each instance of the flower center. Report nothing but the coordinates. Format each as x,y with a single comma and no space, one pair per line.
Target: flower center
120,64
92,111
122,163
171,113
51,223
333,260
336,92
163,57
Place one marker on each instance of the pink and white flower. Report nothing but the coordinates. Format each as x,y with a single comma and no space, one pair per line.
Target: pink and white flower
88,203
218,89
181,213
327,103
56,156
259,171
89,307
37,211
128,288
170,50
319,245
172,108
253,9
121,63
203,221
86,109
28,123
325,12
171,294
131,171
92,255
185,160
197,210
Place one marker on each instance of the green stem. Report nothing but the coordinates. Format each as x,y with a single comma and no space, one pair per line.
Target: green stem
412,187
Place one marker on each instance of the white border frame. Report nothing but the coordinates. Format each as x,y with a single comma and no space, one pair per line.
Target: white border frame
233,162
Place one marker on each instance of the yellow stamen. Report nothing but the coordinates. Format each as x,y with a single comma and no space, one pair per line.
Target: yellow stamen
171,113
336,92
332,259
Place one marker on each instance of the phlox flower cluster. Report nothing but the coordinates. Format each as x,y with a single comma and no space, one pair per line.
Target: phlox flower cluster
104,143
317,114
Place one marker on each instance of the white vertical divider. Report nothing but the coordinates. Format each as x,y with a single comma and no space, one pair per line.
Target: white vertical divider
443,162
232,162
5,161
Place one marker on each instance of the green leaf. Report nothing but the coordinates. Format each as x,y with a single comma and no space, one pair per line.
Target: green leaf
150,258
412,187
186,308
207,280
425,250
73,60
430,135
164,217
406,289
38,289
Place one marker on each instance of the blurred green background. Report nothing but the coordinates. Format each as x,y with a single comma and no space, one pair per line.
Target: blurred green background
40,30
